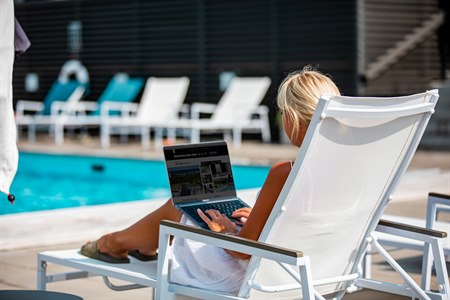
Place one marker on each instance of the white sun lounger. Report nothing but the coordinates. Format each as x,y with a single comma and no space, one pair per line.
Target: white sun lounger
351,161
437,203
62,98
160,104
238,110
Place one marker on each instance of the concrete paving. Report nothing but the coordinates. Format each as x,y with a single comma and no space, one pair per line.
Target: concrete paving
22,236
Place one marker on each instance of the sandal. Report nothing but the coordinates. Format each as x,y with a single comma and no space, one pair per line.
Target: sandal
142,257
91,250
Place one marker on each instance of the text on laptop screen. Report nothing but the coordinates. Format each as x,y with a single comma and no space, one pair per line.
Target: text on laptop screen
199,172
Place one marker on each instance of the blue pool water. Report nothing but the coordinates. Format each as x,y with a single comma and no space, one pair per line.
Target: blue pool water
45,181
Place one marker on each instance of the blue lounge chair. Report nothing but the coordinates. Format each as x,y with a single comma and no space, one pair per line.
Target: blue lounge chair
60,91
121,88
63,92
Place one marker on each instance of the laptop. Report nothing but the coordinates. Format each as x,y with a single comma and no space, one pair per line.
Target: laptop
200,176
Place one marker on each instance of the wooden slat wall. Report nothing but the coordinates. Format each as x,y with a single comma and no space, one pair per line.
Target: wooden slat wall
198,38
387,22
195,38
46,26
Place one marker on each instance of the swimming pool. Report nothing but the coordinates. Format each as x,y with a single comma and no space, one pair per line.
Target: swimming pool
48,181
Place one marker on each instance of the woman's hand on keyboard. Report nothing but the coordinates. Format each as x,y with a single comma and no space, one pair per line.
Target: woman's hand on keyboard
242,214
217,222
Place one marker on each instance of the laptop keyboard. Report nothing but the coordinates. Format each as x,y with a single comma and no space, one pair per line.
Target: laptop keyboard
226,208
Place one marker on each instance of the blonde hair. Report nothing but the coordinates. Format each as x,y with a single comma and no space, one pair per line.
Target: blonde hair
299,93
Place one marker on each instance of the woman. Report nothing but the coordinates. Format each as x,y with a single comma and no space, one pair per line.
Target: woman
201,265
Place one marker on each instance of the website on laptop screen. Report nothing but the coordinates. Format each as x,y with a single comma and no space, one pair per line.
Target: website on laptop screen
198,173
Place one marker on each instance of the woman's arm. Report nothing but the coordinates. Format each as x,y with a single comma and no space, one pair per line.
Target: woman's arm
259,213
263,207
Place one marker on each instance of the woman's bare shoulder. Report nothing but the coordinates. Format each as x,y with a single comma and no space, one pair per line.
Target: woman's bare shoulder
279,170
282,167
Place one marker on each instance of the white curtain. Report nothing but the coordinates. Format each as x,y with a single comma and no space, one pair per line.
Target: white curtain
9,156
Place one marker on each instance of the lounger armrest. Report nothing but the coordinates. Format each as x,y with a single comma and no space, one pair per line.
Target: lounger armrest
184,111
441,196
262,110
231,242
86,106
197,108
437,203
58,107
400,228
440,202
125,108
27,105
82,107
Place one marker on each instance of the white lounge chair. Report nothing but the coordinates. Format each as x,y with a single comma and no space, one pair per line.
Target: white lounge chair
352,159
60,110
62,97
237,111
73,112
161,102
121,88
437,204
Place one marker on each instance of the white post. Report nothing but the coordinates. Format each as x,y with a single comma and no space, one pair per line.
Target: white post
440,267
161,291
145,137
41,274
306,279
104,134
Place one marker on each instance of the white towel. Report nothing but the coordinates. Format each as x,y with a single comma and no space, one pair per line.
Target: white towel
9,156
205,266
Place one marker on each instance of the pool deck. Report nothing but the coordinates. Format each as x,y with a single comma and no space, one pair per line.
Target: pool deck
22,236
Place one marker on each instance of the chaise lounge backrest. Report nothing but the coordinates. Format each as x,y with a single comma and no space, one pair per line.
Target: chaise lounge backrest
349,165
162,99
240,100
120,88
60,91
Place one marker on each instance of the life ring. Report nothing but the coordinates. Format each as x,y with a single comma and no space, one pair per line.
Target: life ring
76,68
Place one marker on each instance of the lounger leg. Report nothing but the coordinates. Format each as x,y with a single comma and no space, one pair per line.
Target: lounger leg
440,267
105,135
265,130
145,137
237,137
427,260
161,291
19,132
59,134
426,267
306,279
171,134
31,133
266,135
123,135
195,135
41,274
158,138
408,280
367,266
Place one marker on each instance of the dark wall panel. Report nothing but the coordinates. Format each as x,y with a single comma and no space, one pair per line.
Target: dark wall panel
195,38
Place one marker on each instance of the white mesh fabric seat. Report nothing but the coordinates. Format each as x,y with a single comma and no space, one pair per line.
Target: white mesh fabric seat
352,159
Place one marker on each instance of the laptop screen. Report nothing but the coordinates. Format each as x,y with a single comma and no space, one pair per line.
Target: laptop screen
199,171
